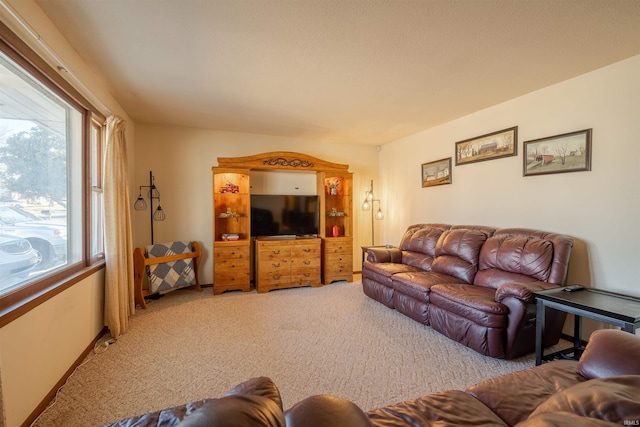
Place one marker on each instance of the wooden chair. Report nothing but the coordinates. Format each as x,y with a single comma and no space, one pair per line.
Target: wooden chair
140,262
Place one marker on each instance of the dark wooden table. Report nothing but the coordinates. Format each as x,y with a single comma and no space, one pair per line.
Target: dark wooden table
616,309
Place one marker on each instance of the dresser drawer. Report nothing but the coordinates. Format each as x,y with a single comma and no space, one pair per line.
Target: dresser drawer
305,254
306,276
230,271
231,252
337,247
339,262
272,272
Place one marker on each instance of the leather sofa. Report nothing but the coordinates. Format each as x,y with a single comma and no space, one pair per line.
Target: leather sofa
603,388
474,284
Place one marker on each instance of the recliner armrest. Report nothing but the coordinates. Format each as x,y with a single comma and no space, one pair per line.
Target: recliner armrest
384,255
522,290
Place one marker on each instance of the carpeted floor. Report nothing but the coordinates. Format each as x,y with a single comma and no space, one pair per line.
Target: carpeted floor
189,345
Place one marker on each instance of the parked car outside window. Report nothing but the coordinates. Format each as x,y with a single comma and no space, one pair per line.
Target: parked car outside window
48,238
17,258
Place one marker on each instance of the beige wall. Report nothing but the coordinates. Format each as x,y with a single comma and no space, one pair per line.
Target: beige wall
600,209
39,347
181,161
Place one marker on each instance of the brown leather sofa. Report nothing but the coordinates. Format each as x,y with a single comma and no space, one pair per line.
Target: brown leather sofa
603,388
473,284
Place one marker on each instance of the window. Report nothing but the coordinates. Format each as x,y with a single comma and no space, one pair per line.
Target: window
50,216
97,221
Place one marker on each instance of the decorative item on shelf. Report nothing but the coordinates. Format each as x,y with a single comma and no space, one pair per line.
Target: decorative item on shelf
153,194
333,186
229,214
230,187
335,231
230,237
367,205
334,212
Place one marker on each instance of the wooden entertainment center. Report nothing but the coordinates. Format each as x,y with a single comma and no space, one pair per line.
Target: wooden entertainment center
280,262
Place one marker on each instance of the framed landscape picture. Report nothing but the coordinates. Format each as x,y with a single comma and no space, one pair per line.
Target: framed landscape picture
569,152
495,145
436,173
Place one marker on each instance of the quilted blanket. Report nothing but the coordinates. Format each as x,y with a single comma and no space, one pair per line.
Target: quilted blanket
168,276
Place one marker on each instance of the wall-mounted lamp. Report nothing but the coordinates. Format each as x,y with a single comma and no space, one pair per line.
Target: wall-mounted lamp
367,205
153,194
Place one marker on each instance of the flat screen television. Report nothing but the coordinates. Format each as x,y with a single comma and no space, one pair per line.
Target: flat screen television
279,215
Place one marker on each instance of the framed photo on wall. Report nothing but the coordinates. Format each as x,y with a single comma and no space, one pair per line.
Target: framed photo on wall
569,152
495,145
436,173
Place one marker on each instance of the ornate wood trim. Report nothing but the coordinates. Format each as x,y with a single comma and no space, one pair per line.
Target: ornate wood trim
281,160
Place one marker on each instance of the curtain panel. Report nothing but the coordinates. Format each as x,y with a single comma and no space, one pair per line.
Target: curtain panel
119,296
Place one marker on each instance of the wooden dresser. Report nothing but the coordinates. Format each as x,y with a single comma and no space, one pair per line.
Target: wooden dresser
287,263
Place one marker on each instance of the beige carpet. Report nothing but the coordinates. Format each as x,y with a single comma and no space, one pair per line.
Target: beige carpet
189,345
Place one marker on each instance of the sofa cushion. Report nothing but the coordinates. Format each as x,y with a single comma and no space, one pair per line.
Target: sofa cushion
472,302
505,258
382,272
562,419
598,361
514,396
457,253
418,284
446,408
419,248
614,400
561,249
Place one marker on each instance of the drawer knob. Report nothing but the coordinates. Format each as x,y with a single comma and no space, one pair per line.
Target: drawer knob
275,264
275,252
307,250
306,262
276,276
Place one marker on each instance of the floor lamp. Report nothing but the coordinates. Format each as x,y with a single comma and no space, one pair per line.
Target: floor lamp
367,205
154,194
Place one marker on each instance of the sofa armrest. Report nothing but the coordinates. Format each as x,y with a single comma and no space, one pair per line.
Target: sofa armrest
610,353
384,255
522,290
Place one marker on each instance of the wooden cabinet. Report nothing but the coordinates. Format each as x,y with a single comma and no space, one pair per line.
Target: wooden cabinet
231,229
336,225
337,259
280,263
287,263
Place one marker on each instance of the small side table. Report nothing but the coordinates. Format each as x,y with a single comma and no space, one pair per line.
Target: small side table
616,309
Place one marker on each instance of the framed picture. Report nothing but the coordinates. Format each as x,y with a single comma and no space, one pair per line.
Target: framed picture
569,152
436,173
503,143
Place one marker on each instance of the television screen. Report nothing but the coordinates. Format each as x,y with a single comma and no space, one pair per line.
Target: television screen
275,214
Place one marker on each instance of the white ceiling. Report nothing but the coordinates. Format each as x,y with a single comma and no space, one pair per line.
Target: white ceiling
356,71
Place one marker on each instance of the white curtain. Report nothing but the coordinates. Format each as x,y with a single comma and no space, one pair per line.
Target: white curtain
119,297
